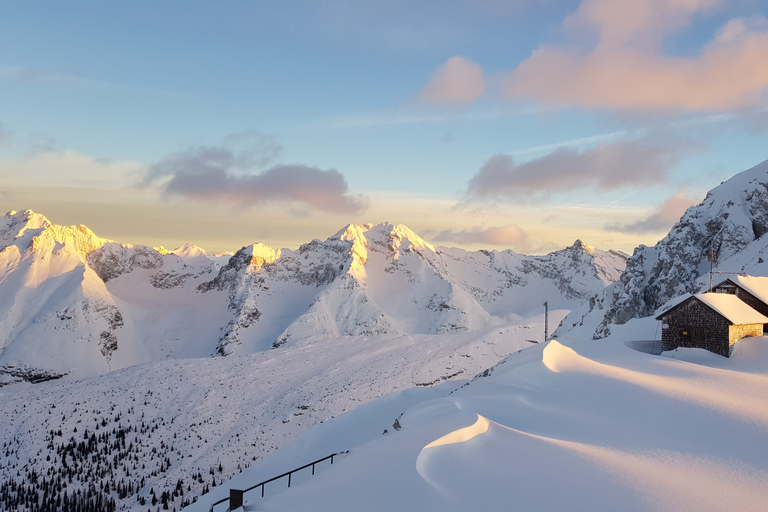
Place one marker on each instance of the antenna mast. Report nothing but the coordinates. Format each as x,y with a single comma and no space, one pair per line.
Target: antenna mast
711,263
546,321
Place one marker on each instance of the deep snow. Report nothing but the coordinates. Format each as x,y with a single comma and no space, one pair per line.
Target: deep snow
593,426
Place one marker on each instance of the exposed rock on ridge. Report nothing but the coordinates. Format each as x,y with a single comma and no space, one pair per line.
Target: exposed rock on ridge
730,218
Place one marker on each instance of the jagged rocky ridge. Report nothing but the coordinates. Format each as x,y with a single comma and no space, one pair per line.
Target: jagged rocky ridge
727,227
80,305
385,280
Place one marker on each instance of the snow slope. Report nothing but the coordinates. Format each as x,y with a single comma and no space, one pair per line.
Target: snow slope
158,424
591,426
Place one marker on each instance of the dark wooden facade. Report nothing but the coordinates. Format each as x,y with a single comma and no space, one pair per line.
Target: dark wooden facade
735,288
693,323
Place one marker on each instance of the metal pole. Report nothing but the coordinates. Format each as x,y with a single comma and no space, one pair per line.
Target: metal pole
546,321
711,263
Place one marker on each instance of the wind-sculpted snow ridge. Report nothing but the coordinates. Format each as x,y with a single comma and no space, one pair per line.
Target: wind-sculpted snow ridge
588,426
728,225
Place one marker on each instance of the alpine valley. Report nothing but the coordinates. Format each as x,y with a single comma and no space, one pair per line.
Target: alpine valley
135,374
136,378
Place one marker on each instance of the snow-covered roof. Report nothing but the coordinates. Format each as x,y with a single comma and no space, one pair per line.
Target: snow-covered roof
756,285
729,306
732,308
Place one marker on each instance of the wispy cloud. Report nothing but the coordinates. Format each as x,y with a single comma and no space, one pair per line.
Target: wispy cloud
229,174
607,166
28,76
583,141
507,235
626,69
458,82
409,116
662,219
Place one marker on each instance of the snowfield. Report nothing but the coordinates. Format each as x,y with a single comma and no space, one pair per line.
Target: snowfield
197,422
592,426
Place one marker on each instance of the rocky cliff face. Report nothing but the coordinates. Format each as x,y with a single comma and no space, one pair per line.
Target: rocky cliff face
731,218
385,280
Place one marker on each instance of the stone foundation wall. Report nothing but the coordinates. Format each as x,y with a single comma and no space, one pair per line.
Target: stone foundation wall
742,331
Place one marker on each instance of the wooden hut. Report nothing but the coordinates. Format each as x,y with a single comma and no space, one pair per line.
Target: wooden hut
712,321
751,289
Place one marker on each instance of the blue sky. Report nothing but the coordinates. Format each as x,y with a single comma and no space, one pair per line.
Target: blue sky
482,124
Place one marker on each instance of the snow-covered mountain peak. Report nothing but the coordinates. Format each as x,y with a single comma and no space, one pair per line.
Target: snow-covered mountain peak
579,245
68,240
33,232
189,252
384,235
15,225
261,254
383,238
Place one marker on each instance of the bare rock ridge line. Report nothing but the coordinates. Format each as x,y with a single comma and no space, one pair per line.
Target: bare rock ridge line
79,305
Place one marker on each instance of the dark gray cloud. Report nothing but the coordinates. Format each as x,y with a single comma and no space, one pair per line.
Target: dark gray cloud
662,219
230,173
608,166
507,235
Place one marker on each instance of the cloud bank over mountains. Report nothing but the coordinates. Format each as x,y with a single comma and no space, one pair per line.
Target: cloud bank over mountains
663,217
607,166
231,173
508,235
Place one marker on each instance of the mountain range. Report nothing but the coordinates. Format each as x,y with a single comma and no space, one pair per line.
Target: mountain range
78,305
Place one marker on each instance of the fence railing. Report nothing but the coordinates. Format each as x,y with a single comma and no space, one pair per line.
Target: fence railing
235,498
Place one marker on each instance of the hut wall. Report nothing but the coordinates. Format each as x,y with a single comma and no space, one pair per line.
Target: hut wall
706,329
753,301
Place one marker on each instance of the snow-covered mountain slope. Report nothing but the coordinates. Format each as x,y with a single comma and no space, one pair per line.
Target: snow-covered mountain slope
69,307
592,426
56,312
183,426
384,279
81,305
728,224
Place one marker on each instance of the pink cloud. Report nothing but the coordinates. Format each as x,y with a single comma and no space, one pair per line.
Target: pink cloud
608,166
507,235
627,70
457,82
665,216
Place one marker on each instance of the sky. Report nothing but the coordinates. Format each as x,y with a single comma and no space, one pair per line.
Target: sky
490,124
